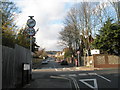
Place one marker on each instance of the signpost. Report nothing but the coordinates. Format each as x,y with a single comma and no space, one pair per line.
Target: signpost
78,52
31,32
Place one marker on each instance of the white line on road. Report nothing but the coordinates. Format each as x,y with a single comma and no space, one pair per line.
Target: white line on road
99,76
103,78
63,75
55,68
73,75
95,87
92,73
75,83
82,74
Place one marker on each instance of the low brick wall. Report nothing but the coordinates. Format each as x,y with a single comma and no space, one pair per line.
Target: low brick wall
106,61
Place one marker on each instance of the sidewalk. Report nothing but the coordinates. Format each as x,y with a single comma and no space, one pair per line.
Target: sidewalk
86,68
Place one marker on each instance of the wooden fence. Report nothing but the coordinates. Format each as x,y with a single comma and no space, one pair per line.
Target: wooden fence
12,60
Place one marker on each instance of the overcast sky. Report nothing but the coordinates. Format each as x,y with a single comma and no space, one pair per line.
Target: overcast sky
49,16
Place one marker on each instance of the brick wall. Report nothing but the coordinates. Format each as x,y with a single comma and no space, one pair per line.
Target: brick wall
106,61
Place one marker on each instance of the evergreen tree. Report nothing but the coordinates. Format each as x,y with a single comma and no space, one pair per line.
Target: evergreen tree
108,38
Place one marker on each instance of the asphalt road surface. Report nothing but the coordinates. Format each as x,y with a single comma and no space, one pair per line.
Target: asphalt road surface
54,75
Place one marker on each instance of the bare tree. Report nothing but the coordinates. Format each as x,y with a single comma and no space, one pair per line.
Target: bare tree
70,33
116,6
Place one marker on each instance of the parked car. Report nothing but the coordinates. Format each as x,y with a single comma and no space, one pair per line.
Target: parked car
44,62
64,62
48,60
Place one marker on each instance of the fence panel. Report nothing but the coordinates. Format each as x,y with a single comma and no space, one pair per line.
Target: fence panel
7,67
22,55
12,65
0,67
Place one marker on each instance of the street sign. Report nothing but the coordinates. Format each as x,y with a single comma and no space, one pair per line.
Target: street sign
26,66
31,23
31,31
95,51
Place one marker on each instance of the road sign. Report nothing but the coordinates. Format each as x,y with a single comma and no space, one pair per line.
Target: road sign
31,23
26,66
95,51
31,31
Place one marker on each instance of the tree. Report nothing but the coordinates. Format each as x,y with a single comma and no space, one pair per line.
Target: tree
8,26
108,38
116,6
67,53
23,39
70,34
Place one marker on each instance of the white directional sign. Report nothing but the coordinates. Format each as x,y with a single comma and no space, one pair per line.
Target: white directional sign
95,87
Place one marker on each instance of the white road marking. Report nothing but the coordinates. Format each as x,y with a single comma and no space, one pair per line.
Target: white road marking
63,75
56,69
62,78
82,74
74,75
75,83
99,76
63,69
92,73
95,87
103,78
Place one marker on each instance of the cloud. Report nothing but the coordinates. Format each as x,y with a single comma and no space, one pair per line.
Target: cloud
48,14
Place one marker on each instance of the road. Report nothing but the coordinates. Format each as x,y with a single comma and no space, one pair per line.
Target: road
53,75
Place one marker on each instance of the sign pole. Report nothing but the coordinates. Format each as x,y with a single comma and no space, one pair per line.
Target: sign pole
31,55
78,52
78,60
31,32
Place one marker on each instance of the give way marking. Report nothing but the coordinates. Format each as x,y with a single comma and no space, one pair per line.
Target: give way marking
95,87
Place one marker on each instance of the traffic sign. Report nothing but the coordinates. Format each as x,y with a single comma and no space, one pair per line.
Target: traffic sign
31,23
31,31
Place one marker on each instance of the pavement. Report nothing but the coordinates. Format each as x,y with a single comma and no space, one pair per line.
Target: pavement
82,68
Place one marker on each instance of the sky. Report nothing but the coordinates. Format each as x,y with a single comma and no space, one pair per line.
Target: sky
49,16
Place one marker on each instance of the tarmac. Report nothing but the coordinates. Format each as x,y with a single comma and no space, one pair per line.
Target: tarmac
59,82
